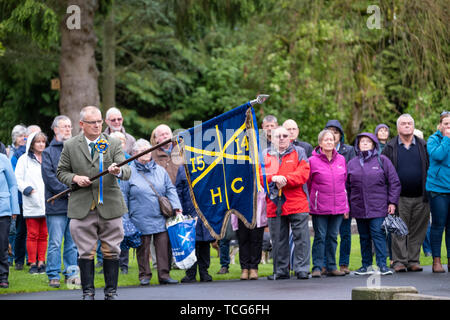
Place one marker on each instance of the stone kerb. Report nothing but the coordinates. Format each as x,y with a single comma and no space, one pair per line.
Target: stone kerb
380,293
414,296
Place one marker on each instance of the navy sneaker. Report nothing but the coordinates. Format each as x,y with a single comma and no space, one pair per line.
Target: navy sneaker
41,269
385,271
363,271
33,269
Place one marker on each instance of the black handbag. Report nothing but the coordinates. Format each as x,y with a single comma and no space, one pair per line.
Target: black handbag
164,203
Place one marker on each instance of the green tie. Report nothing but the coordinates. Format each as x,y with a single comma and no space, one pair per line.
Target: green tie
92,145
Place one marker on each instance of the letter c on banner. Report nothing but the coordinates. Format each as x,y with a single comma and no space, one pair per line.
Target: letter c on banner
234,188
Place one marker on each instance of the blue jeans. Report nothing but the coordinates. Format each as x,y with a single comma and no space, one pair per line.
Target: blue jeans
224,246
426,246
58,228
99,253
345,230
440,213
370,230
326,229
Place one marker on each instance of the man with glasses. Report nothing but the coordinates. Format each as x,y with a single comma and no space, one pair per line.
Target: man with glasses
408,153
292,127
92,219
114,120
56,212
287,168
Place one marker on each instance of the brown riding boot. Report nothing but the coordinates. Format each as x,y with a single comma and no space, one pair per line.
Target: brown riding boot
437,266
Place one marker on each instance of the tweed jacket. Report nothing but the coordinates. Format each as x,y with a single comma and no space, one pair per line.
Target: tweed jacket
76,160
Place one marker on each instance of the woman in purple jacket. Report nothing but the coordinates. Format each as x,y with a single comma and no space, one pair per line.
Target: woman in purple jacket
374,189
328,202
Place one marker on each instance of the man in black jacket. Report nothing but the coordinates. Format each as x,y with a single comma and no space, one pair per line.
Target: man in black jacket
409,156
56,212
292,127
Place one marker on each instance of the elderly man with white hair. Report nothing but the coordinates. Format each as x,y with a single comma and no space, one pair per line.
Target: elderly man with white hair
114,120
408,153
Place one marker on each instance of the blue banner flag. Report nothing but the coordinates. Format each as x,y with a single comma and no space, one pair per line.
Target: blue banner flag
222,167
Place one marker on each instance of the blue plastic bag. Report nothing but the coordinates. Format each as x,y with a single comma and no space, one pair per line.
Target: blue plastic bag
182,239
132,236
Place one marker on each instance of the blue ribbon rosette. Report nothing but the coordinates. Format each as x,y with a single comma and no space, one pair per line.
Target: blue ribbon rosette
101,146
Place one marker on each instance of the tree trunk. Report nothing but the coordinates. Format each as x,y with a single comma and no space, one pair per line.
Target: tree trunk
109,62
77,68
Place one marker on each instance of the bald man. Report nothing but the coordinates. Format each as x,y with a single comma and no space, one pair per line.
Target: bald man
292,127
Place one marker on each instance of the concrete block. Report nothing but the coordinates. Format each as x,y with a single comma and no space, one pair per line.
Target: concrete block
413,296
380,293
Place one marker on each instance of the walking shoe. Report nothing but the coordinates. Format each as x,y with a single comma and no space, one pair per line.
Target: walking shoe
335,273
54,283
415,268
384,270
344,268
363,271
253,275
144,282
18,266
168,281
399,268
244,274
41,269
33,269
279,277
4,284
223,270
316,273
302,275
187,279
205,278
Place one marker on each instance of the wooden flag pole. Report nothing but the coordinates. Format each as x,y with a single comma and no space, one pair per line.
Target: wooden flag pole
75,187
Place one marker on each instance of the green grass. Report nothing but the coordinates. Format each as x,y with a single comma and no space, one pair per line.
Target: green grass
22,281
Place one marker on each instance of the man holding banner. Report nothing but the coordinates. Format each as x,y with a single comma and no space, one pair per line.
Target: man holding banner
287,171
95,209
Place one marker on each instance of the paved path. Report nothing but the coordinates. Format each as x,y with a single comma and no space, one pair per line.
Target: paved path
325,288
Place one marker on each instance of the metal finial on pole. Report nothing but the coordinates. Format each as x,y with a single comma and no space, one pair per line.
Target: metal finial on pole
259,99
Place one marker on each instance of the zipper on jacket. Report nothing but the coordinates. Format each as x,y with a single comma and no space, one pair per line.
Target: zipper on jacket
317,193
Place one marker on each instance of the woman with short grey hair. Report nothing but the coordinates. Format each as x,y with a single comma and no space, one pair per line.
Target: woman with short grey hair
145,213
18,137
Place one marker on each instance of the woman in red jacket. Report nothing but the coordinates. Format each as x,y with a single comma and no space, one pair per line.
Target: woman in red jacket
287,169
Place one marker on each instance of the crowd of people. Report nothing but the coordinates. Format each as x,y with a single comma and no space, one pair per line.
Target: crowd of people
329,184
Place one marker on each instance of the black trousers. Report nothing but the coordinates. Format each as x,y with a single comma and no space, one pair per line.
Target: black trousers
203,254
20,244
250,246
4,232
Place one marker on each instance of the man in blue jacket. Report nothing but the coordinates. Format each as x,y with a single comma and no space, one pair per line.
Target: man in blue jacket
56,212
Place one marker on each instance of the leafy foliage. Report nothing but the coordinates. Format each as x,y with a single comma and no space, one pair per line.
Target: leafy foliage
183,61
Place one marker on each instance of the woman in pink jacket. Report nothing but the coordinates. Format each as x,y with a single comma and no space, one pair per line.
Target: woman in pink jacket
328,202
